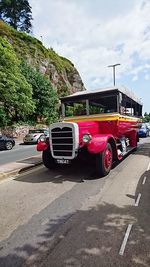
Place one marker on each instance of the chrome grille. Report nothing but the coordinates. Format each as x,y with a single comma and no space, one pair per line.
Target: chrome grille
62,141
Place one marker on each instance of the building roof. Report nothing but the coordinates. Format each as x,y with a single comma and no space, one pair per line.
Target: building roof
121,89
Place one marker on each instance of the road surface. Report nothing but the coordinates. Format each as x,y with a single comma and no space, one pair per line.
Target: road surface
69,217
18,152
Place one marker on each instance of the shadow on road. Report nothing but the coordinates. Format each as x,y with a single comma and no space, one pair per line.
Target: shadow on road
76,172
25,144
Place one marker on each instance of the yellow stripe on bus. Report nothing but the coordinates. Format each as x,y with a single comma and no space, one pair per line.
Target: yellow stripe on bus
104,117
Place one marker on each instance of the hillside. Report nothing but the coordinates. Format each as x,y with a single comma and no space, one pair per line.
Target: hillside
61,72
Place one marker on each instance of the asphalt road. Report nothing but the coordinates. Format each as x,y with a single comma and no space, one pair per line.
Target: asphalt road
69,217
18,152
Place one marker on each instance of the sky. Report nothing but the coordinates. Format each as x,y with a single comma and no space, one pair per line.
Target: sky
94,34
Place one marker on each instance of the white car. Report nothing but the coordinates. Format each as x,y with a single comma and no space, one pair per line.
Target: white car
34,136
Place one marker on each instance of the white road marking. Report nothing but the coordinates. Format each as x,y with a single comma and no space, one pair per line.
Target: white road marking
122,249
138,200
144,180
58,176
148,168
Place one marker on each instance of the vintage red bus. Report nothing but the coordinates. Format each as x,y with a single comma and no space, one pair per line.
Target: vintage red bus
98,124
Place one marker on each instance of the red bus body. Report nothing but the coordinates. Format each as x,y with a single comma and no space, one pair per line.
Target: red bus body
107,136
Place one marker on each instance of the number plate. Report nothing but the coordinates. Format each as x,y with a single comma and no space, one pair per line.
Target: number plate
63,161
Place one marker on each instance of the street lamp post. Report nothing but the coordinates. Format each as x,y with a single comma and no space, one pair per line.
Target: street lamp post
114,74
41,39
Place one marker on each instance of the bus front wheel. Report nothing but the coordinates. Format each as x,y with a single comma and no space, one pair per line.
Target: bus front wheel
48,160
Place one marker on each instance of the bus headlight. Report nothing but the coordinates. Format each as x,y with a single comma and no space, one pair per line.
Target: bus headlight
86,138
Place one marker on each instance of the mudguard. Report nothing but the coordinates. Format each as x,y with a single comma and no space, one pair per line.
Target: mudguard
41,146
98,143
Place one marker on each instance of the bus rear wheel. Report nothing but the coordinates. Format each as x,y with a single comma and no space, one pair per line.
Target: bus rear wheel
104,161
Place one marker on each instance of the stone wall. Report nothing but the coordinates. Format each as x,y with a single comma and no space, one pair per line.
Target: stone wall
16,132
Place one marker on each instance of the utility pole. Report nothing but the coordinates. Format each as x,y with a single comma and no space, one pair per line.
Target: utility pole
41,39
114,74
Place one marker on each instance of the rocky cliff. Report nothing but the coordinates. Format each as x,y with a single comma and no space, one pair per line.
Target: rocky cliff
63,75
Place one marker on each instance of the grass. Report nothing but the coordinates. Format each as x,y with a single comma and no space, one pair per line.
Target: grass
27,47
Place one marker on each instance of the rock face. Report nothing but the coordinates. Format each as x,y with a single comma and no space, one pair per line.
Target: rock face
63,80
63,75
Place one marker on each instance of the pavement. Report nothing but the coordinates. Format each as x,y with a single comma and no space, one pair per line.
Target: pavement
13,169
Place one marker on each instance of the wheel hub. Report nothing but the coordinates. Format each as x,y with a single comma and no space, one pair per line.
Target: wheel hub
108,159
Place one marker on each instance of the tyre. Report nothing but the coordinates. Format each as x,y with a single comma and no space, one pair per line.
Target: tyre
8,145
104,161
48,160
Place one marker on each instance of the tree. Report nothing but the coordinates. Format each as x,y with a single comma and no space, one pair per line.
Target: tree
17,13
4,120
15,92
146,117
44,96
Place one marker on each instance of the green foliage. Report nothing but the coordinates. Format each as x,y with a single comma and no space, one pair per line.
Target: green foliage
63,90
77,109
27,47
146,117
44,96
15,91
96,110
17,13
60,62
69,111
17,83
4,120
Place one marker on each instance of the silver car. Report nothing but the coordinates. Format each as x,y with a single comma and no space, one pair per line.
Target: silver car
34,136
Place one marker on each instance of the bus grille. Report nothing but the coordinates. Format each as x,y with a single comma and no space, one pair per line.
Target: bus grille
62,141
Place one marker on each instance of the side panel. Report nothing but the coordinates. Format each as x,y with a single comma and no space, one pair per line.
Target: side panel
113,124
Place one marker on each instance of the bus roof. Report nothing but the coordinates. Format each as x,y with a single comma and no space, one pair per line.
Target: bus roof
121,89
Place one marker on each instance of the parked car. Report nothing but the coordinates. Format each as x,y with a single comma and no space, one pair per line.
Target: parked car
6,143
148,125
34,136
143,131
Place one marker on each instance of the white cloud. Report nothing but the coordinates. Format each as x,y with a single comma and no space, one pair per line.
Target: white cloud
95,34
147,77
135,78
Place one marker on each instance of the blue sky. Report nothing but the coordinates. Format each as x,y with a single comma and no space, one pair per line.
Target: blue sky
96,33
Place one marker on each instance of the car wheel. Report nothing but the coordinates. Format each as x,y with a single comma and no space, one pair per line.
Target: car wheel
104,161
8,145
